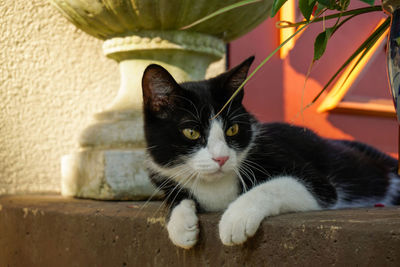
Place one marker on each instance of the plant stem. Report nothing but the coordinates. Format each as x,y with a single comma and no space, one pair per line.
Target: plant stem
259,67
357,11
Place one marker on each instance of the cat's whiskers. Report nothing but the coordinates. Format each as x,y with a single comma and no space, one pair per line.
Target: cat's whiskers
229,108
242,122
186,121
191,113
156,191
252,164
247,174
241,179
160,188
234,112
195,184
238,116
179,185
182,186
152,147
191,102
180,172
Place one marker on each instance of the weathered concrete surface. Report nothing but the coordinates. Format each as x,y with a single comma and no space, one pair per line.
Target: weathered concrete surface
56,231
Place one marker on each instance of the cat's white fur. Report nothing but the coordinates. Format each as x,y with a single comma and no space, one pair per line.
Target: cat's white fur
183,228
279,195
202,161
217,195
344,202
216,188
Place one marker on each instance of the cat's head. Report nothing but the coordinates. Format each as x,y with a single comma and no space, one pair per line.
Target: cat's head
183,138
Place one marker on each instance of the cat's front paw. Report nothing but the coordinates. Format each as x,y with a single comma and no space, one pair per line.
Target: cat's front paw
239,222
183,228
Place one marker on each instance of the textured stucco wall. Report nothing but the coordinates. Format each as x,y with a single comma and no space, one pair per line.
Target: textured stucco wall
53,77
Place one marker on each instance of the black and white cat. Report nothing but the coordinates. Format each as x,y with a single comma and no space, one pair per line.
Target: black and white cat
248,170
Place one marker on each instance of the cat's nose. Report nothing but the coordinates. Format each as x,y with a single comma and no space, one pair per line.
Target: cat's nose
221,160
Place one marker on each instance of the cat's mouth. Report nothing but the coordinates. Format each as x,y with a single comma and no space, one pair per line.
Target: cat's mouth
213,175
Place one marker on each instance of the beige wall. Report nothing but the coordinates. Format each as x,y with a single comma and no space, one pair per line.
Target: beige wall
53,77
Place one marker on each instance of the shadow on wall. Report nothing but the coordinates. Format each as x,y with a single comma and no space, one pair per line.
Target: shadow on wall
264,92
378,131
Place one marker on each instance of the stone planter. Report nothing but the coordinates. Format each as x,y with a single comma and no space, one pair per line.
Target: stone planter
136,33
392,7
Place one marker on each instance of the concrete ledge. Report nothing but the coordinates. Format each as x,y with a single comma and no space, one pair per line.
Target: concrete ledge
57,231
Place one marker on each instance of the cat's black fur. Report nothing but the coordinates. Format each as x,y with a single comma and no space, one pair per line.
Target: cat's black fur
334,171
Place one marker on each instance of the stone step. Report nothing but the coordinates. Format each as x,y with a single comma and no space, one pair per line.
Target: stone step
58,231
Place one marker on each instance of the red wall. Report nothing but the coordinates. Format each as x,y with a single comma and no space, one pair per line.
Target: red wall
274,93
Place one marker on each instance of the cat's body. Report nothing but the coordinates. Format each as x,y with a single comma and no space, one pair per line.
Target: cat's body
249,170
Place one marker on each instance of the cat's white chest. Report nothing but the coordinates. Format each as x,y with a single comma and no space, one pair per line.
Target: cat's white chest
217,195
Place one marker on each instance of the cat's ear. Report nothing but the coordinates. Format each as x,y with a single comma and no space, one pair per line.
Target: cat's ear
159,90
236,76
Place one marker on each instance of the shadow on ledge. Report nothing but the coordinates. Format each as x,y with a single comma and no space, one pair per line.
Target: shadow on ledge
57,231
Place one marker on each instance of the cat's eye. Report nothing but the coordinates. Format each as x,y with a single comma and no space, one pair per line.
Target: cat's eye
233,130
191,134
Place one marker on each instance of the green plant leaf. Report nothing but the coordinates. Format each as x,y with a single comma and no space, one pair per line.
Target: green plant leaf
330,4
306,8
359,60
344,4
325,2
221,11
276,6
353,12
372,38
320,43
322,39
369,2
320,7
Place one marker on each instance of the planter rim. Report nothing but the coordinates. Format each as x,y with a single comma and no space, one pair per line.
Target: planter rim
118,18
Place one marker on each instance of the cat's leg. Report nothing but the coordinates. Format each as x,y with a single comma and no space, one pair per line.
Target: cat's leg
183,227
280,195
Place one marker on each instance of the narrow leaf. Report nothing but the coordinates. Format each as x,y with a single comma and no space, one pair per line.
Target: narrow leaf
221,11
306,8
320,7
276,6
379,31
330,4
344,4
260,65
369,2
325,2
369,47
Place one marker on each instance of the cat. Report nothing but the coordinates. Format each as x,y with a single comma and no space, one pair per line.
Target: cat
248,170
